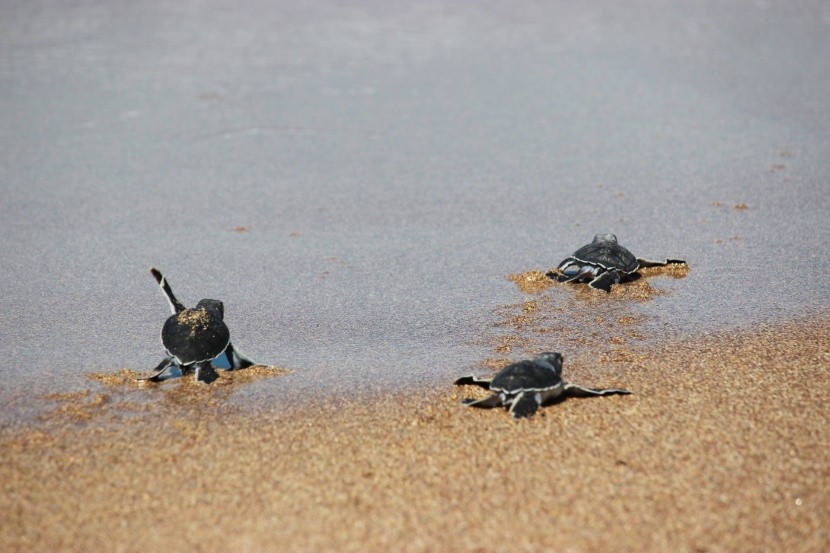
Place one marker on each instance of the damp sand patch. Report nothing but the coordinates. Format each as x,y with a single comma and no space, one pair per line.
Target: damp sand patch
585,324
120,396
127,377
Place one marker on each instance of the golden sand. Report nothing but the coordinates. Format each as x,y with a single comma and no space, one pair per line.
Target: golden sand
723,447
194,318
532,281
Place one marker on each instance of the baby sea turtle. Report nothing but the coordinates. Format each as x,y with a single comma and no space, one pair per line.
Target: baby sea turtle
602,263
526,385
195,337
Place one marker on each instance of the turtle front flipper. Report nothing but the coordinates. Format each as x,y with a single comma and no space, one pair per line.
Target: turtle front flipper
485,403
473,381
645,263
525,404
580,391
604,280
159,371
205,372
175,305
236,359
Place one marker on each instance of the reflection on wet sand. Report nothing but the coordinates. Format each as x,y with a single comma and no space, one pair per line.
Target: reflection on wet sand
587,325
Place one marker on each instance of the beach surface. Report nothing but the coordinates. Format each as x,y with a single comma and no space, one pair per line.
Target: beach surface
375,191
722,447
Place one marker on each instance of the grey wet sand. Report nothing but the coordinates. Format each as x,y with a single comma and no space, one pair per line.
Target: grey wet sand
723,447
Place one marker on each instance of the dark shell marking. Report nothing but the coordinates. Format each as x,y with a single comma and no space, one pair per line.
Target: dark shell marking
195,335
603,263
524,386
529,375
606,253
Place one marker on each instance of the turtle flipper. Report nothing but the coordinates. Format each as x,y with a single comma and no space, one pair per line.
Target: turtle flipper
237,359
175,305
158,372
205,372
580,391
574,278
644,263
525,404
473,381
571,271
485,403
604,280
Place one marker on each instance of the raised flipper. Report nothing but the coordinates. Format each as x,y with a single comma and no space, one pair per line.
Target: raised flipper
205,372
473,381
237,359
644,263
175,305
605,280
158,372
579,391
525,404
485,403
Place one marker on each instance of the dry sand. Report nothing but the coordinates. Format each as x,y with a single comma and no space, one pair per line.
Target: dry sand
723,447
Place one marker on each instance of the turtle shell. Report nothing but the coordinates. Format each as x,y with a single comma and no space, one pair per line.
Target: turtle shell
606,252
195,335
525,376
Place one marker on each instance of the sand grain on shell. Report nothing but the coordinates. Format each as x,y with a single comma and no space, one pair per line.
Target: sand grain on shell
194,318
723,447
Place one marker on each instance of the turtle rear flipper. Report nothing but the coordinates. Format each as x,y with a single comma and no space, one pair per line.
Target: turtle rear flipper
605,280
580,391
563,279
485,403
158,373
525,404
572,271
645,263
205,372
236,359
473,381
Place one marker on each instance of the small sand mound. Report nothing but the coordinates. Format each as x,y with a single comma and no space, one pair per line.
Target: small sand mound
531,282
674,270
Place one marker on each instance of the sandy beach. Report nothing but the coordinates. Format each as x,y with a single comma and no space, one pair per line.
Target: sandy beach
723,447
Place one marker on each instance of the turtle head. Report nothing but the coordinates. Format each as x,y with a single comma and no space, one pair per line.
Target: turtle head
550,359
605,238
214,306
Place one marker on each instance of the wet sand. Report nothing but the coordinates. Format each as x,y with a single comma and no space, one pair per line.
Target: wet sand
354,182
723,447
